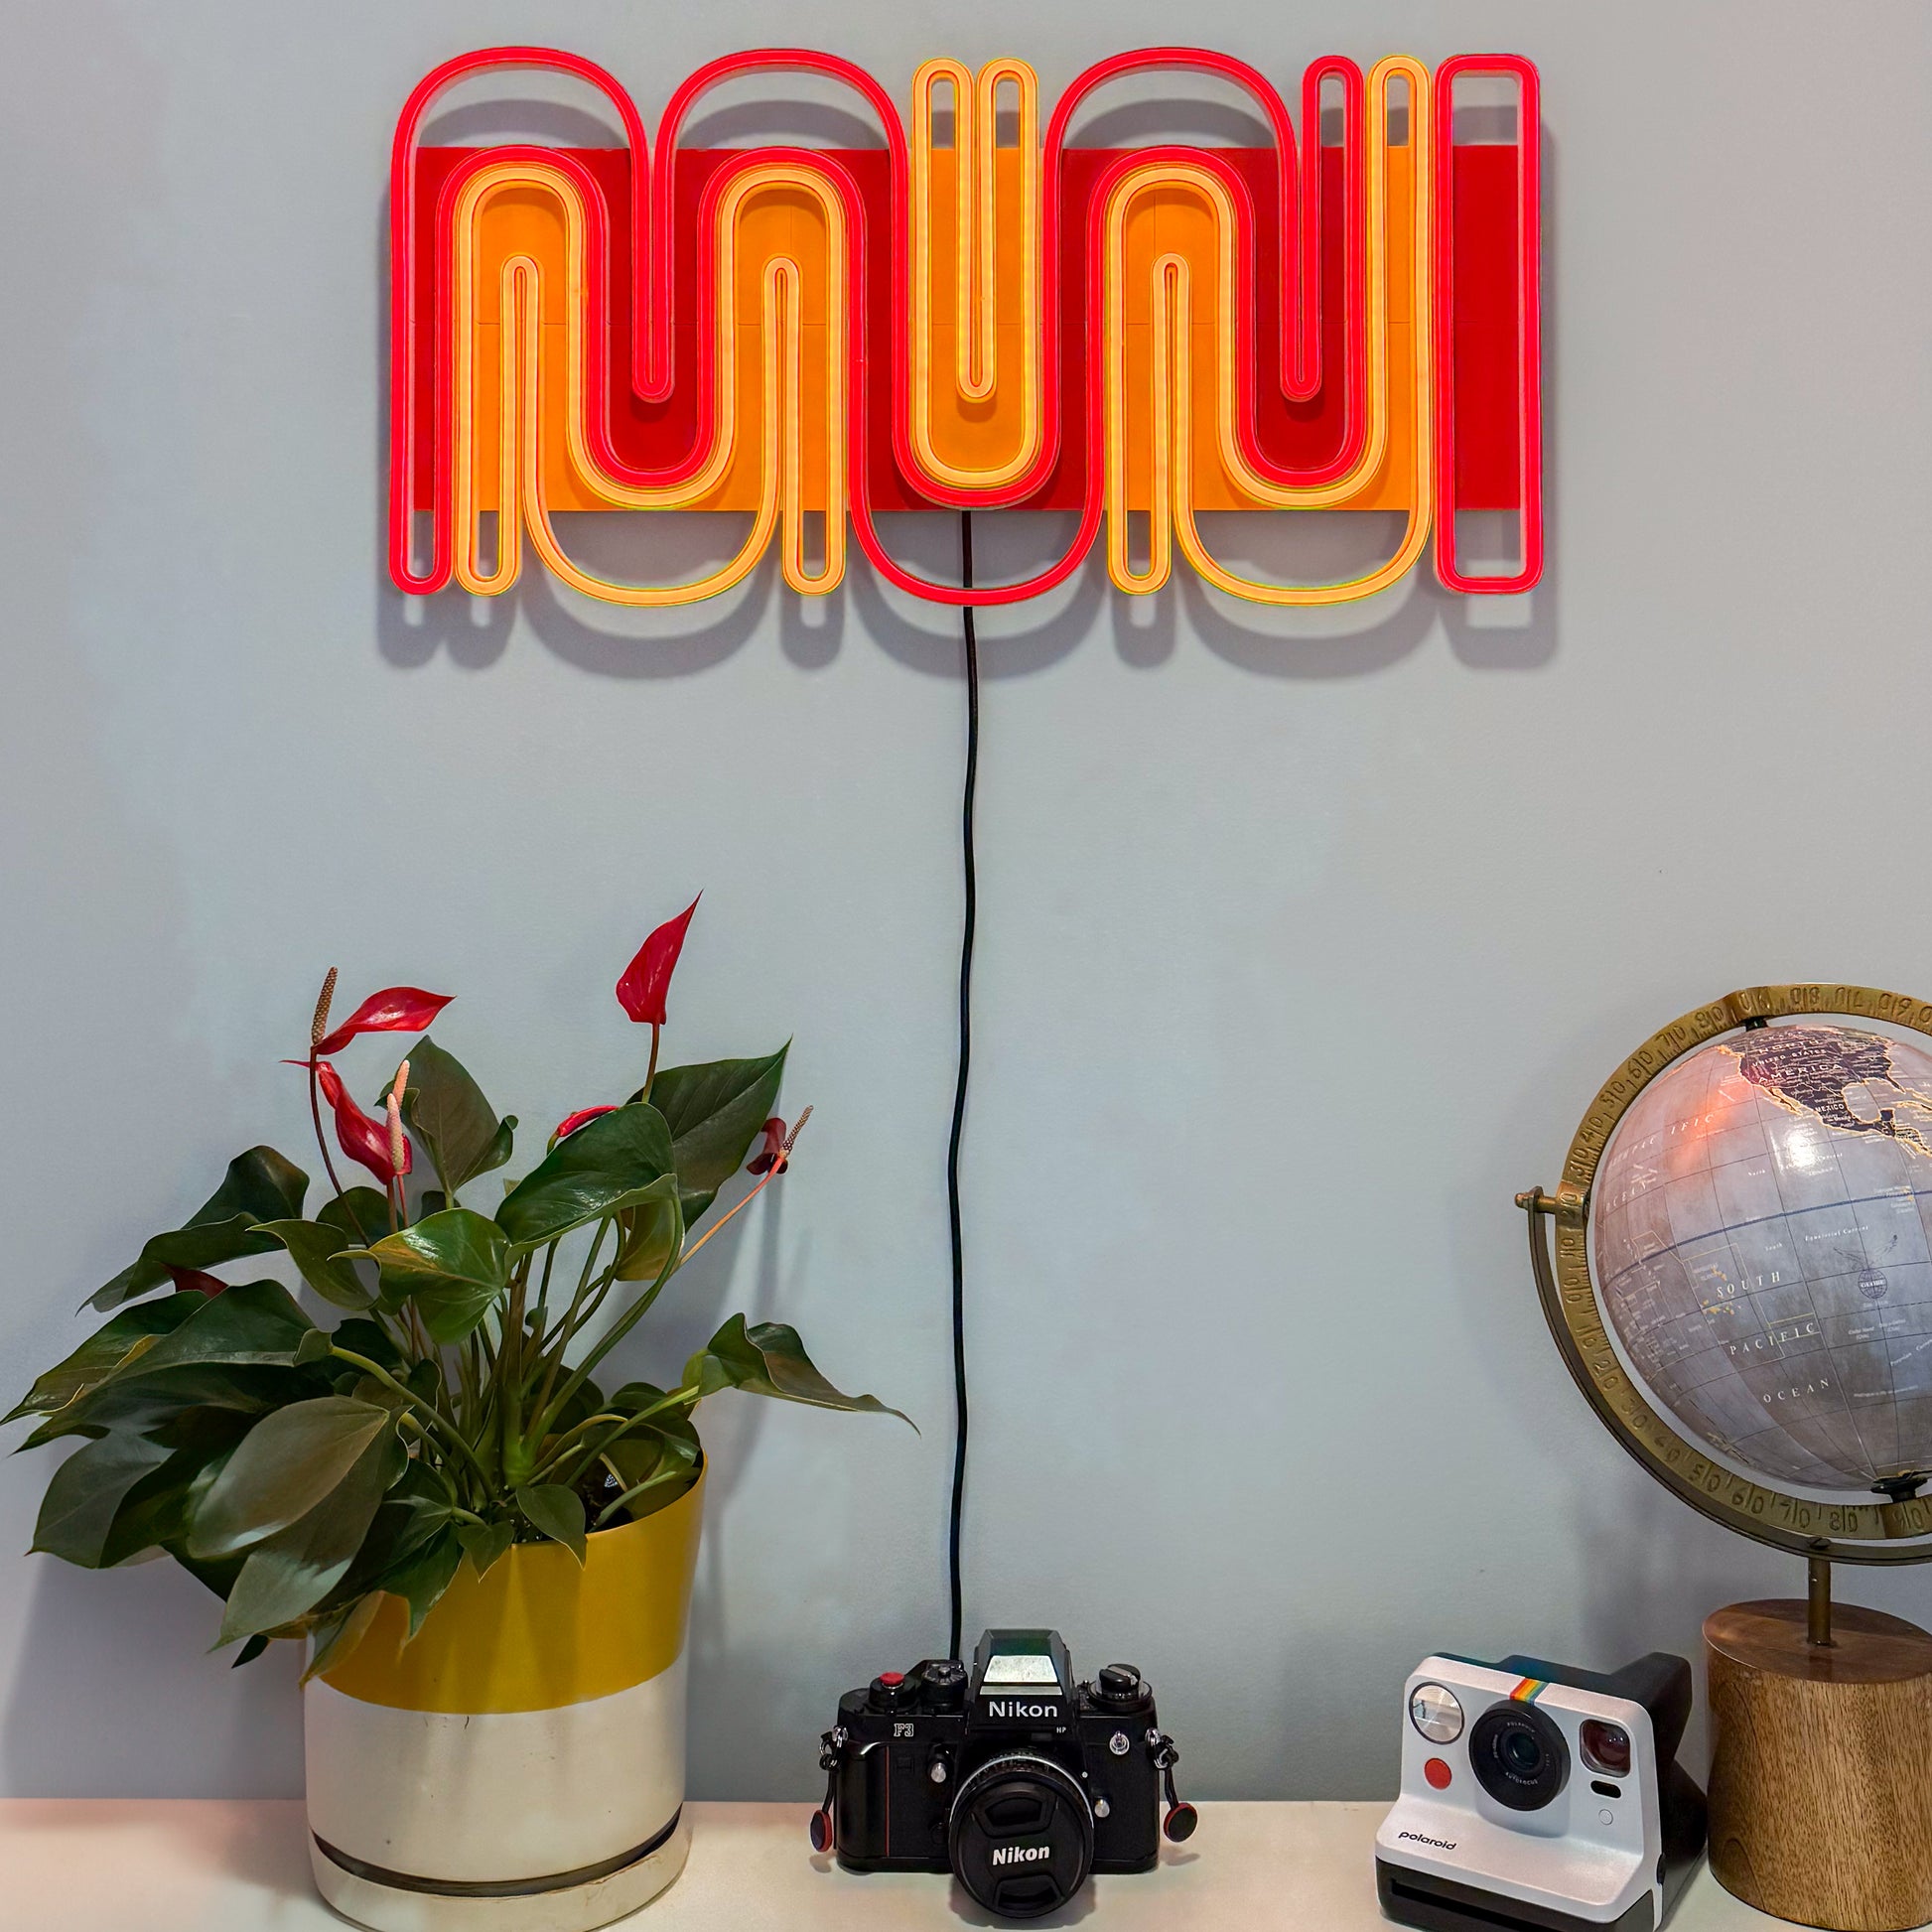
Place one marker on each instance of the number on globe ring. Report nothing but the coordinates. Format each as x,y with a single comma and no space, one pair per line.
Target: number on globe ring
1772,1401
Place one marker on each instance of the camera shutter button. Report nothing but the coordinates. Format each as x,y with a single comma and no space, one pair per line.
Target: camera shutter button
888,1689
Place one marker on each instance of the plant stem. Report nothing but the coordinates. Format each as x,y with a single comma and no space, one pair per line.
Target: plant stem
543,1287
562,1442
629,1496
650,1072
315,1114
556,1345
678,1398
765,1180
383,1375
549,1409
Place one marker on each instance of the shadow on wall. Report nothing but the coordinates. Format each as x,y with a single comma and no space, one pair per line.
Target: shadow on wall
97,1644
1342,640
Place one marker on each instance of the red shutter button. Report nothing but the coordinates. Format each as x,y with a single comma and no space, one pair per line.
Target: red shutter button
1438,1773
891,1679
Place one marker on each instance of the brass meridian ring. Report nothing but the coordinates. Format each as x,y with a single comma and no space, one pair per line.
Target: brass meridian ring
1847,1532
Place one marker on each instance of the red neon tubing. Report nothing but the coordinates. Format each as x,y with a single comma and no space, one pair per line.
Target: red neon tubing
402,284
1529,326
651,214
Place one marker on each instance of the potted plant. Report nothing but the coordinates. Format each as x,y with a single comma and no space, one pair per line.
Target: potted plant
488,1555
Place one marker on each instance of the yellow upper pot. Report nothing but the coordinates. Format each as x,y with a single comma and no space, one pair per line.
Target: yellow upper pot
539,1631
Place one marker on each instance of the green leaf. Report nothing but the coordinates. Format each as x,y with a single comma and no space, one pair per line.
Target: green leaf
413,1513
154,1513
713,1113
362,1213
453,1265
104,1351
295,1568
249,1651
316,1248
557,1512
335,1636
501,1146
603,1167
159,1508
769,1360
253,1321
484,1543
151,1403
369,1341
260,1186
447,1110
585,1402
636,1397
657,1465
287,1465
424,1575
77,1511
648,1234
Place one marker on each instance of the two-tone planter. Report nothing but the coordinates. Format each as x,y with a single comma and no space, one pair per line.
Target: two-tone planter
519,1766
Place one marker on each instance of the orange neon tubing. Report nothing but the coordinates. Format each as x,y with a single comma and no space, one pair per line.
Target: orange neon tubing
987,472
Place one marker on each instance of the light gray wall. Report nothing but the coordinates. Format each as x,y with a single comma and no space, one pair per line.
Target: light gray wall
1304,943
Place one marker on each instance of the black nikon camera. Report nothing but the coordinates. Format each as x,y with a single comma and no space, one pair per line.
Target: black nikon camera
1015,1778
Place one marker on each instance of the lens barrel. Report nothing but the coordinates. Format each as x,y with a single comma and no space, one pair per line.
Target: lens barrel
1518,1755
1020,1838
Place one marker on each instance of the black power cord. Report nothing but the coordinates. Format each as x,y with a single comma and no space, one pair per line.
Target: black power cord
965,1060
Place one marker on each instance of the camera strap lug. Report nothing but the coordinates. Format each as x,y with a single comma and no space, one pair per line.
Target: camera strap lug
1182,1817
831,1753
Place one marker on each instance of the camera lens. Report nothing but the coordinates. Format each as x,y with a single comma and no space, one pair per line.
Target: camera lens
1518,1755
1022,1834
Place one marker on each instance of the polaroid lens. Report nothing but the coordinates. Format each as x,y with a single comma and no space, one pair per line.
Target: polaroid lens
1518,1755
1606,1747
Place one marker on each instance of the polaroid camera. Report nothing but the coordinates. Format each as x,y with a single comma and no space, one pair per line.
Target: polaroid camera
1541,1797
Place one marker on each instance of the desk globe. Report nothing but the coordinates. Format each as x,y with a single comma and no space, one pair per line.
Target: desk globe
1741,1286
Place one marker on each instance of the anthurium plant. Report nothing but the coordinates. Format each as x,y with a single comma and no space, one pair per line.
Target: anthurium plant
302,1468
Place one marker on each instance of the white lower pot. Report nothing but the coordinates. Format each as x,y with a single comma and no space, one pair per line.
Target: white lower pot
519,1766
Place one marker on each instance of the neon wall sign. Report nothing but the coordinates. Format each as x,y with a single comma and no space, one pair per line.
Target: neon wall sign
819,336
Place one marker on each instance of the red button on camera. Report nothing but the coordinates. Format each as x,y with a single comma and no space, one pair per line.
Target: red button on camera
891,1679
1438,1773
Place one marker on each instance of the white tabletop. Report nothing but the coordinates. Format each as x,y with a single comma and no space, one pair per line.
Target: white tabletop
234,1865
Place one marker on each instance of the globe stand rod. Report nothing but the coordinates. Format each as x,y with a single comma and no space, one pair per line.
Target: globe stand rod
1818,1602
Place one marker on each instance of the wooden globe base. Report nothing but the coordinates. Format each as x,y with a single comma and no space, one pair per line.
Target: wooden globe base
1821,1765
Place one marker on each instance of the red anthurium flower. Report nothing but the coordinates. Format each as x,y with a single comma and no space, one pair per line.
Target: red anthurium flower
186,1278
572,1122
395,1010
362,1139
772,1154
648,977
